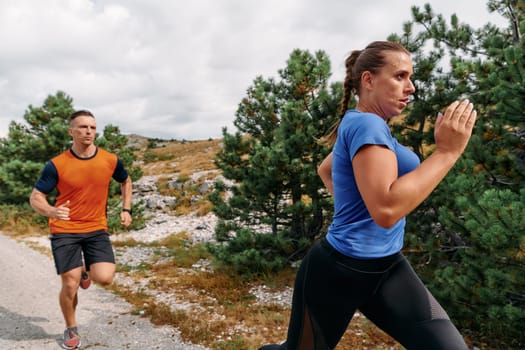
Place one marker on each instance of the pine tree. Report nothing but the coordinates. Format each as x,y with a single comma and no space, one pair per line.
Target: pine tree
29,145
467,240
276,207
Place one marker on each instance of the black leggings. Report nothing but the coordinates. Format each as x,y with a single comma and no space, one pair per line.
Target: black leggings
330,287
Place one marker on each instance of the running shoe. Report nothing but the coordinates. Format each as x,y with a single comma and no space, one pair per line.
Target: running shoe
85,281
274,347
71,339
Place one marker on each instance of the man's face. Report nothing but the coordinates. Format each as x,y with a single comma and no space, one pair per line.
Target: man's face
83,130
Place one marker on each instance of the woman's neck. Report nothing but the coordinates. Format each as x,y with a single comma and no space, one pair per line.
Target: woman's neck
367,108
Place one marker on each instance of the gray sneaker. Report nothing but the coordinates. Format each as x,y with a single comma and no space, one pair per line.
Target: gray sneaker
71,339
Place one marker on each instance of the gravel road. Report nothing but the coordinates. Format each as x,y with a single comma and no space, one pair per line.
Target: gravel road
30,316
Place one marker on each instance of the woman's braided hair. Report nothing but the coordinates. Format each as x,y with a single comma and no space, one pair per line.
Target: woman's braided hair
370,59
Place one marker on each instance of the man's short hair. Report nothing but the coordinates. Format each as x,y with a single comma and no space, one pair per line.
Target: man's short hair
81,113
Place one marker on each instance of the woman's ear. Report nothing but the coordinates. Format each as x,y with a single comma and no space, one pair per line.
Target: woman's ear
367,79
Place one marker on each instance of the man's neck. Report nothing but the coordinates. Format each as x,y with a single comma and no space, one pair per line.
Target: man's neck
84,151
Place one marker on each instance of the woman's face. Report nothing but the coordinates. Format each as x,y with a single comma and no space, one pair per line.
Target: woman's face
387,92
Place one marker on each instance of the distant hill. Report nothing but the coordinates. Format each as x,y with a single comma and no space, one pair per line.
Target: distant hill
137,142
157,156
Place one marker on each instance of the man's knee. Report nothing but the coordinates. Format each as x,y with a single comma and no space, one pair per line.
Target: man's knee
71,280
104,280
102,273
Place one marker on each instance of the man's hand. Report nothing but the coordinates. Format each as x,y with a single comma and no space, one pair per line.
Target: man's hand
62,211
125,218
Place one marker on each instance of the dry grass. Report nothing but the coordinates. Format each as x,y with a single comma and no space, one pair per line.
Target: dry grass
222,313
185,158
20,221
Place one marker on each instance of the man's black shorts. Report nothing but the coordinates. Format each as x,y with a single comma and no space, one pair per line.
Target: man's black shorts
68,249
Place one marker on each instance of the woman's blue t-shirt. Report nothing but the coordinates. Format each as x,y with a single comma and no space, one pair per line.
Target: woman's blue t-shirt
353,232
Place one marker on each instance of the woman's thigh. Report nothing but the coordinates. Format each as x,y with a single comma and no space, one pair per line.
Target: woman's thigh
329,288
404,308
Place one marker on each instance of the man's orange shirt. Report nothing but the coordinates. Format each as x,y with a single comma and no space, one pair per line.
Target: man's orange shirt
85,183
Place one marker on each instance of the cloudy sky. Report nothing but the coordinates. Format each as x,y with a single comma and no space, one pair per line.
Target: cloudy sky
178,69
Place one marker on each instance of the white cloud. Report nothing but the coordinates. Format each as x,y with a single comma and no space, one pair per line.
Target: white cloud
177,69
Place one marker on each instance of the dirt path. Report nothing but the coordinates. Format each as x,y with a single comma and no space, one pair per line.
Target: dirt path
30,317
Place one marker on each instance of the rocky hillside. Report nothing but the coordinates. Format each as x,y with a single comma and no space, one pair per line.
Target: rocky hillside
177,178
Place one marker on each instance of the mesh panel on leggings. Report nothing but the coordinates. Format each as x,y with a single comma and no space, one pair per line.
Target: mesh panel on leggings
436,310
311,337
307,334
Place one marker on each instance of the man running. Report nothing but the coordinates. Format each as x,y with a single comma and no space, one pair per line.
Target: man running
78,218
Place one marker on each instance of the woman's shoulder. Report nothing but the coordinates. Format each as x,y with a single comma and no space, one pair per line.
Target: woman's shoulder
356,120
